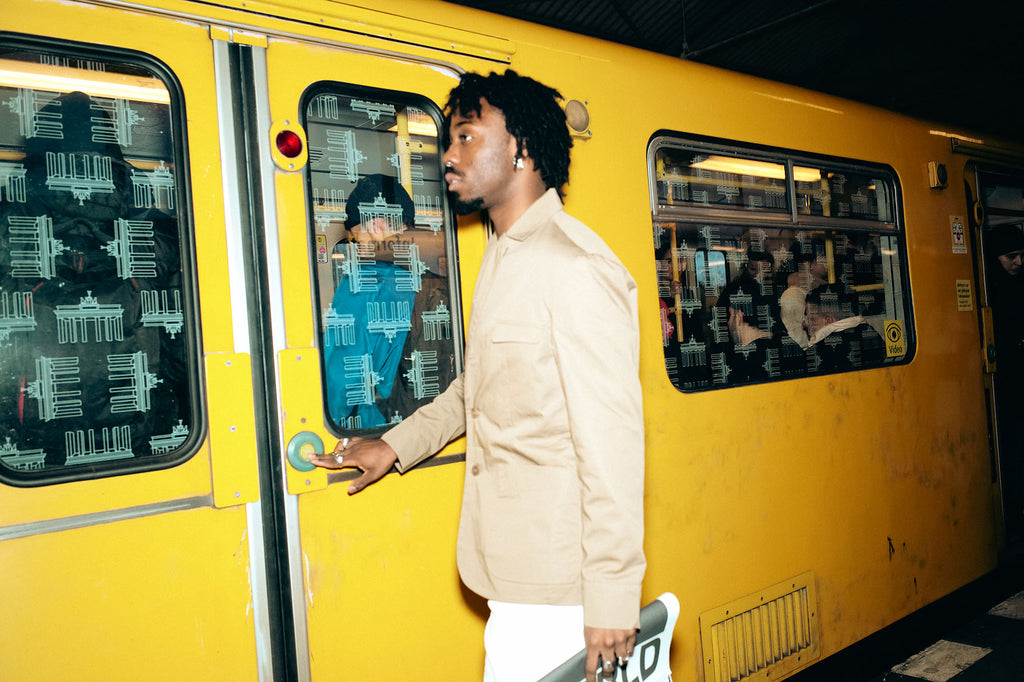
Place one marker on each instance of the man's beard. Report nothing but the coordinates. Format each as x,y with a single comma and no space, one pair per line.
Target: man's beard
467,207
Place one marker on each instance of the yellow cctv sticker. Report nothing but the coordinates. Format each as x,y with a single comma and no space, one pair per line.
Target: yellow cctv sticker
895,343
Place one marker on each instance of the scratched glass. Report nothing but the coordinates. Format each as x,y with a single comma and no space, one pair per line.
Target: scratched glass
383,255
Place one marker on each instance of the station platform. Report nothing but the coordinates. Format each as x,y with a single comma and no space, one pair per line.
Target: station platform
973,635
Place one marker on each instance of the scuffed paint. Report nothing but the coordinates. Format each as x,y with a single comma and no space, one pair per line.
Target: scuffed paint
309,583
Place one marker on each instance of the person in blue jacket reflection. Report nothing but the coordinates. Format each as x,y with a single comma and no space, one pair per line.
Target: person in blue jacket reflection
371,312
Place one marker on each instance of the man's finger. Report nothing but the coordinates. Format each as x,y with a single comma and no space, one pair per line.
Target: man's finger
328,460
366,479
591,665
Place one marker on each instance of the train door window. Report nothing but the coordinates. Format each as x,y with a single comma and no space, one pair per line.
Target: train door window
98,349
1002,194
773,265
384,254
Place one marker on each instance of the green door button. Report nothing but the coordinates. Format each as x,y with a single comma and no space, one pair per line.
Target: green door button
301,447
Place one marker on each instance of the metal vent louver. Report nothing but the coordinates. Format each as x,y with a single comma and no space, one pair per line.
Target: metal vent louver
762,636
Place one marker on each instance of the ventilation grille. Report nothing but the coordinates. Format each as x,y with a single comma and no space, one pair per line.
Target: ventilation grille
762,636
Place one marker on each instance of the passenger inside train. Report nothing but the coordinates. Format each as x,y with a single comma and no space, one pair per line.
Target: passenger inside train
808,270
839,335
376,328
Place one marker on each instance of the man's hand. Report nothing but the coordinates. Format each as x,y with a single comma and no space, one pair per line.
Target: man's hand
742,333
373,457
607,651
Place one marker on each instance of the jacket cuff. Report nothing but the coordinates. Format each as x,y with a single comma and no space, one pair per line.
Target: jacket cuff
396,438
613,606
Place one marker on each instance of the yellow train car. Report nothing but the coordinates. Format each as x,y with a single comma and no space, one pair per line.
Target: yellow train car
175,179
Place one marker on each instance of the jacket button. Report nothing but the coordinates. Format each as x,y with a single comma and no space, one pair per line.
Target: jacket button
475,470
475,412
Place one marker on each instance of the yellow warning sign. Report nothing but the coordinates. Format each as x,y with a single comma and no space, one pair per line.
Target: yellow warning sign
895,343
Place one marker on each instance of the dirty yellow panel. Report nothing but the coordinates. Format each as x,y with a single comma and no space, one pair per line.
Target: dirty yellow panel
158,598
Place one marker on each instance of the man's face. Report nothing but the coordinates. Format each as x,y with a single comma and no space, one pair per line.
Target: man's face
479,160
819,267
380,235
375,231
760,270
815,317
1011,261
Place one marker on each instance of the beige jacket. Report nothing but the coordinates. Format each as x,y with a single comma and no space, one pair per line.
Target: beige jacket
550,403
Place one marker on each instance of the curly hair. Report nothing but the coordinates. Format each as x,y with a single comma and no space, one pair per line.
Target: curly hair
532,116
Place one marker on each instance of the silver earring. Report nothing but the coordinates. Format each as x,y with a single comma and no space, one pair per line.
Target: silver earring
518,164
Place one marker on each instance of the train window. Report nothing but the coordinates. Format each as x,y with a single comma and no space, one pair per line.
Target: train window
98,351
728,181
773,266
383,242
842,193
1002,194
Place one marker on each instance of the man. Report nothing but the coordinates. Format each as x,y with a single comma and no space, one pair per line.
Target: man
749,310
811,271
374,235
389,221
839,335
1006,294
551,530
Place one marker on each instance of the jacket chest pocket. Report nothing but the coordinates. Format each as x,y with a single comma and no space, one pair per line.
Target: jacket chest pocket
521,376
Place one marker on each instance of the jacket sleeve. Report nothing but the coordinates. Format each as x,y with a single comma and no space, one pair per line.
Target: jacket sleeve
596,338
428,429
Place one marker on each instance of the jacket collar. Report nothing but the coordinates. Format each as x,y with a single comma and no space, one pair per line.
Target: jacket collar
539,212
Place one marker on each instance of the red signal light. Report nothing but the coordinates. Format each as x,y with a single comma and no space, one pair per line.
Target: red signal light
289,143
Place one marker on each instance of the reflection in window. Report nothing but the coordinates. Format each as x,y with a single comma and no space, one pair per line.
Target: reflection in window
97,363
764,296
700,178
1002,193
842,193
389,321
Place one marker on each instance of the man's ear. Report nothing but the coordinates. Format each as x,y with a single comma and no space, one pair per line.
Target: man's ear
513,146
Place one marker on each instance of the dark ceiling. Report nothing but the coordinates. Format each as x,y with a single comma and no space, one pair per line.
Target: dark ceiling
962,67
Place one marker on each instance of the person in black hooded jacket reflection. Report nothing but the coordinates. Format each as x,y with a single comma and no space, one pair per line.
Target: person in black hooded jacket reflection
87,309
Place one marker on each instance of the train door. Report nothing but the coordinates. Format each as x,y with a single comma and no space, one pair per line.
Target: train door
158,517
998,221
130,540
364,310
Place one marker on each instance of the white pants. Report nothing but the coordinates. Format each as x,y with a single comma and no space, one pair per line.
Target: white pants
524,642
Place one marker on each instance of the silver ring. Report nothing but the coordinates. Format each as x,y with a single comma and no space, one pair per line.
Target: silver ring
338,457
623,661
344,443
608,665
